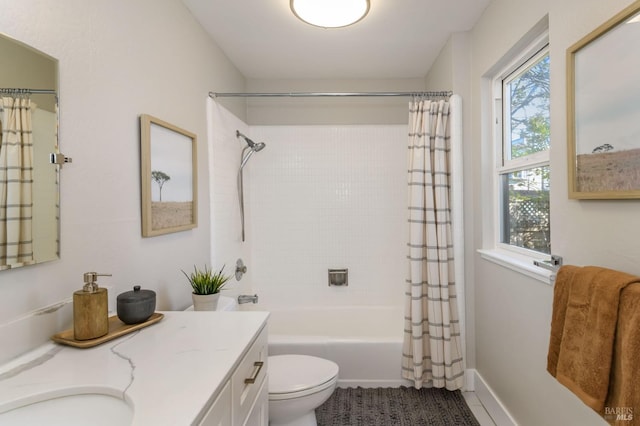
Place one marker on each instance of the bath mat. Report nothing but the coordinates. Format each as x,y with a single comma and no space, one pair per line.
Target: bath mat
402,406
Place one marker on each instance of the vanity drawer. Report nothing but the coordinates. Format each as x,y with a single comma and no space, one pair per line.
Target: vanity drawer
248,378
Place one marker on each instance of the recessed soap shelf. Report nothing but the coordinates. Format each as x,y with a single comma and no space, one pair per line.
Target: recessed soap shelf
339,277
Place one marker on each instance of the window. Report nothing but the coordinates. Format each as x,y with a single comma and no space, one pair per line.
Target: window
521,94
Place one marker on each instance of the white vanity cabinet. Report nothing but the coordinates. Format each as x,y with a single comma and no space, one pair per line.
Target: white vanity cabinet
244,399
220,412
200,368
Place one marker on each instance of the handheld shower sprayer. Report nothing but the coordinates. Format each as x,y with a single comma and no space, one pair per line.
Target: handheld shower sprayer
252,145
244,157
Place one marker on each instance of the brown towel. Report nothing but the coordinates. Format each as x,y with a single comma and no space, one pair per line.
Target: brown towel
583,330
560,298
622,406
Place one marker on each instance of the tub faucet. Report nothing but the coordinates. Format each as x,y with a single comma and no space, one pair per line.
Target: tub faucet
247,298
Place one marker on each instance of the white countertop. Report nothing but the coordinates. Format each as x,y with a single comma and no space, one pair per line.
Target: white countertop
168,372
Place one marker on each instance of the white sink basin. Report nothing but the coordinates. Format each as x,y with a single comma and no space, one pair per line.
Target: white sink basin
72,407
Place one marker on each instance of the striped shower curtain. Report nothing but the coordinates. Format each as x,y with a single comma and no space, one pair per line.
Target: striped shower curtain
432,353
16,181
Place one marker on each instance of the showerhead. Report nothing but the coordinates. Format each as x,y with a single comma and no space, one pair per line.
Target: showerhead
254,146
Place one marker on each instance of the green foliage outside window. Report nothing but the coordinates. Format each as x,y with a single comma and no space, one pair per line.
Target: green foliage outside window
526,192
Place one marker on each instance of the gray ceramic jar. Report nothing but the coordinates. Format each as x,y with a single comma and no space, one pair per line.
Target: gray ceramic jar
136,306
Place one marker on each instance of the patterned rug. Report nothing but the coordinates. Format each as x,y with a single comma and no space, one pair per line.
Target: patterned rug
402,406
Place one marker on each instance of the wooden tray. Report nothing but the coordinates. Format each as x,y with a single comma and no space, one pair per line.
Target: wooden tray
116,329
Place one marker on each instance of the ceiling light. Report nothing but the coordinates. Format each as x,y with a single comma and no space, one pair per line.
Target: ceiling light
330,13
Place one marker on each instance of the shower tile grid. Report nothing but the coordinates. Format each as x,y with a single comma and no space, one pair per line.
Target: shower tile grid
478,409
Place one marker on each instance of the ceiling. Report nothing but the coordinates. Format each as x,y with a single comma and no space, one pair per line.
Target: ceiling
397,39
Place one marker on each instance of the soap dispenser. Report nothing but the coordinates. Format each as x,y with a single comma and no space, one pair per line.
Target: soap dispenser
90,309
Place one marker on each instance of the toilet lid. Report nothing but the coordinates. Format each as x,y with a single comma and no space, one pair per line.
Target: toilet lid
295,373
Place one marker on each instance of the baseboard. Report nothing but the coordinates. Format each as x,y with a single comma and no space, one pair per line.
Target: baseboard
490,401
469,380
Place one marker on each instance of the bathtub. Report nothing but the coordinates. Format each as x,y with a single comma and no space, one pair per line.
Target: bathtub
365,341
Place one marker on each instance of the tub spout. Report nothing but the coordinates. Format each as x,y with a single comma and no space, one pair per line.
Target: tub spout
247,298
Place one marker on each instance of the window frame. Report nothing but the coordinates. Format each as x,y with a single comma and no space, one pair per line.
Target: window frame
503,164
527,161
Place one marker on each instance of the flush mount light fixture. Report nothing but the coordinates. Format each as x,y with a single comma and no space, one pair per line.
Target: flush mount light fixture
330,13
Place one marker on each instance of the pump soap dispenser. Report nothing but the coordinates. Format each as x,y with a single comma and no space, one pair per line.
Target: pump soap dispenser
90,309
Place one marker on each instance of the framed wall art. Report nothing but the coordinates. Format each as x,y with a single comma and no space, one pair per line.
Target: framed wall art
603,110
168,177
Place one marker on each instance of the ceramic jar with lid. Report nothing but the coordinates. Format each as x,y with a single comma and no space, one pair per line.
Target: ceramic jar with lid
136,306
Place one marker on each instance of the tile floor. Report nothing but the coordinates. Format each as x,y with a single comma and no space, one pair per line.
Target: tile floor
478,409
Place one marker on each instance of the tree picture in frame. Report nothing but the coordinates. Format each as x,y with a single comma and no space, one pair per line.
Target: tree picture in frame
603,106
168,177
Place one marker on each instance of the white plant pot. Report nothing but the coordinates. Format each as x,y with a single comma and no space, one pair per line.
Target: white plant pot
205,302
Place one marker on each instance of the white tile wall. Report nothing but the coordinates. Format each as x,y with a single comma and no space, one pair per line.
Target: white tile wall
328,197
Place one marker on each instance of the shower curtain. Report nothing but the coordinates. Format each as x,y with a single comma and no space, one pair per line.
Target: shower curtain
16,170
432,353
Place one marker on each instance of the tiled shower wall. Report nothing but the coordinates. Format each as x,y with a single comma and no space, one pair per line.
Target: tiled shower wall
325,197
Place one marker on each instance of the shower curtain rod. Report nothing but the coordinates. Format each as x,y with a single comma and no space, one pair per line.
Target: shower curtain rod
440,94
29,91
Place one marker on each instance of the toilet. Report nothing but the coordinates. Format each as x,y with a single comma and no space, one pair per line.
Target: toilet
298,384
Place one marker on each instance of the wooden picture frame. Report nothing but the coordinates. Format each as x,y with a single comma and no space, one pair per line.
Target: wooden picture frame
168,177
603,110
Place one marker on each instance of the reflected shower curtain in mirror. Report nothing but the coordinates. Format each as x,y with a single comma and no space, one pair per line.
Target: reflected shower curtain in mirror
432,353
16,181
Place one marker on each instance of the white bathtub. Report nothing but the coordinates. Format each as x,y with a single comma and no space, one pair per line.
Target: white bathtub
365,341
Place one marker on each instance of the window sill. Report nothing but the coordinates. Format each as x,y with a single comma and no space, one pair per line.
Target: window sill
518,263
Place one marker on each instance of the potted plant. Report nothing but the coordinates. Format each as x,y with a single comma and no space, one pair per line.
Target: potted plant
206,286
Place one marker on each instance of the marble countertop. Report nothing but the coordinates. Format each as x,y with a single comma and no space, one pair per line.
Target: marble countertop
168,372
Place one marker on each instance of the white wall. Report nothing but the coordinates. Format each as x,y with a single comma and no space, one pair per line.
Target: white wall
513,312
329,196
347,111
118,59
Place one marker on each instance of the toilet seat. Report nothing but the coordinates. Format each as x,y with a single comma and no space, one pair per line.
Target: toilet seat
295,376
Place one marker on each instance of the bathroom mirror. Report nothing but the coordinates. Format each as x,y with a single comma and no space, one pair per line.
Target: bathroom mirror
29,187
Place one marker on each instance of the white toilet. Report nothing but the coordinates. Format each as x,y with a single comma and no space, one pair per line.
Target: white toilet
298,384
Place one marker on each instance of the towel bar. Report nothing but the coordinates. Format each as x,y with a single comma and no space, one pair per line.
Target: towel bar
552,264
